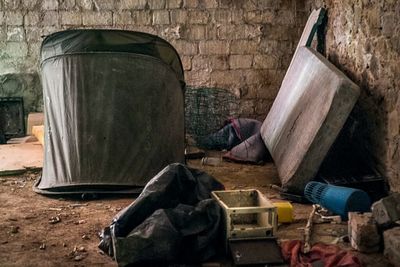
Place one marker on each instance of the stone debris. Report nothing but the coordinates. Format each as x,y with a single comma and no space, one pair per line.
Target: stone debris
363,232
54,220
80,222
387,210
85,237
391,240
14,229
42,246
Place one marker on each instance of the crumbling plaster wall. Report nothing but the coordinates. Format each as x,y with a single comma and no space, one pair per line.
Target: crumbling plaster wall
240,45
363,40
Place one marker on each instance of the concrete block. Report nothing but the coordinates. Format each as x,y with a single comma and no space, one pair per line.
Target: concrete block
391,239
214,47
160,17
71,18
97,18
156,4
15,34
387,210
363,232
240,61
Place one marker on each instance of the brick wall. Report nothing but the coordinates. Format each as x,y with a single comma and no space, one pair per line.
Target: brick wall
242,46
363,40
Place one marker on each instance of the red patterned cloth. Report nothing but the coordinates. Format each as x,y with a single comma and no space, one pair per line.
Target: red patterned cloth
319,255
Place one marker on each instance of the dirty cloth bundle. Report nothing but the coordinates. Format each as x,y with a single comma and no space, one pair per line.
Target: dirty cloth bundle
320,255
240,136
173,219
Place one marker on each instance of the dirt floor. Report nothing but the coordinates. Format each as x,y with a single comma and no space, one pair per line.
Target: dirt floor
42,231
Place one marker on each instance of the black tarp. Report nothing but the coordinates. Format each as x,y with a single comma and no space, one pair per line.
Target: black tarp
114,112
173,220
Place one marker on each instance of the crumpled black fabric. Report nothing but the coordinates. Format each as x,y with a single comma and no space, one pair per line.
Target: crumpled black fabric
173,220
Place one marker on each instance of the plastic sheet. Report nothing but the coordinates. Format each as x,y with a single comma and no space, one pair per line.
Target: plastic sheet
173,220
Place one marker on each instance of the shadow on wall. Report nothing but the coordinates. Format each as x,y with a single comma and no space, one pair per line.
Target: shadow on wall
26,85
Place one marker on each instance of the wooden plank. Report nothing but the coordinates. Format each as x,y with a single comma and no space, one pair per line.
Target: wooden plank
17,158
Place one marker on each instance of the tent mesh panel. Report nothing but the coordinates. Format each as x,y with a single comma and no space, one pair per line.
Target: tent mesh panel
206,110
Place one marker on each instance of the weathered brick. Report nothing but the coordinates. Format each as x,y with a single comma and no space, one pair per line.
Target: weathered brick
190,3
198,17
85,4
16,49
218,62
160,17
174,4
49,5
243,47
196,32
156,4
265,62
198,78
142,17
33,33
185,48
232,78
103,4
363,232
71,18
389,22
34,49
186,62
122,18
31,4
240,61
214,47
50,18
392,245
132,4
171,33
261,17
208,4
230,32
222,16
92,18
31,18
179,16
11,4
66,4
200,63
237,16
15,34
14,18
247,107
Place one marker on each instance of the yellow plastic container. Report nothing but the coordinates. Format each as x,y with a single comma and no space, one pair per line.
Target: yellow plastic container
285,212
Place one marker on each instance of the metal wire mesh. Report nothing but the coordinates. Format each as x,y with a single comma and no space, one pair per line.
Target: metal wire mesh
206,110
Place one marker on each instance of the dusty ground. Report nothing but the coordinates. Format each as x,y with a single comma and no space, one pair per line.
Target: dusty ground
29,238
